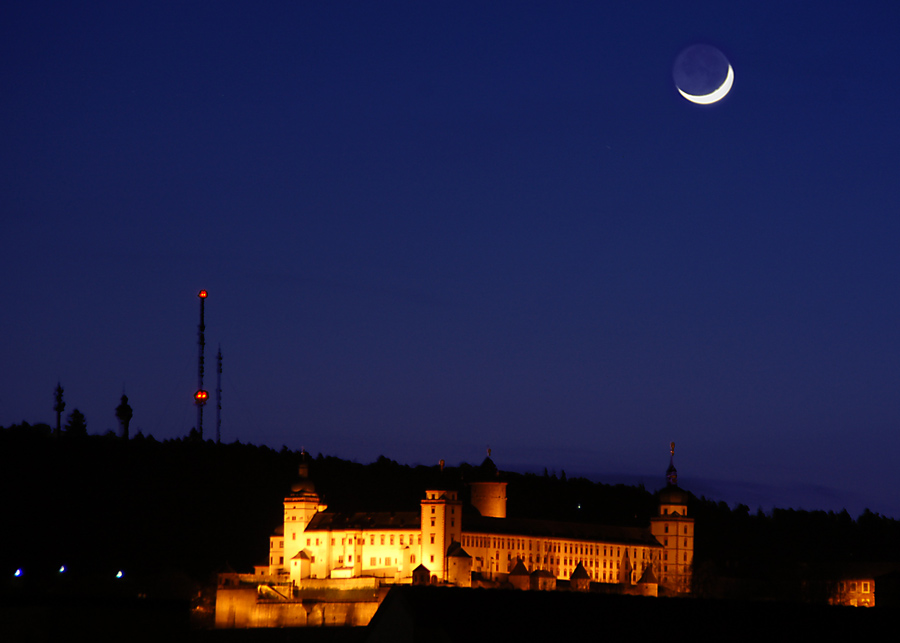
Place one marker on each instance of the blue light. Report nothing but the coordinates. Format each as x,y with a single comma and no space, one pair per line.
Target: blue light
18,573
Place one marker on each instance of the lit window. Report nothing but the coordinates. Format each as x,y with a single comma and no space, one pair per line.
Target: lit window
412,559
382,539
372,542
392,539
401,539
372,562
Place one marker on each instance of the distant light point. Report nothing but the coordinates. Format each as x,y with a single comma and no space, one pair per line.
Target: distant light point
202,294
18,573
120,574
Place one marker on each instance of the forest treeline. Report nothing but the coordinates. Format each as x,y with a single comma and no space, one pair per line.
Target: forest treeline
189,509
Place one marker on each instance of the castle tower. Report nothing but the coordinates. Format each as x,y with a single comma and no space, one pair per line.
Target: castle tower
299,508
488,493
441,527
675,532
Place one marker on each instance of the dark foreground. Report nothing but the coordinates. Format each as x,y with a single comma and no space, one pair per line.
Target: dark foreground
449,614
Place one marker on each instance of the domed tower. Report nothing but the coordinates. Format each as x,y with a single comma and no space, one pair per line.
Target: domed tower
299,508
488,492
675,532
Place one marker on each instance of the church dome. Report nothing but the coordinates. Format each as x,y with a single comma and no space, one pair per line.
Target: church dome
673,495
304,485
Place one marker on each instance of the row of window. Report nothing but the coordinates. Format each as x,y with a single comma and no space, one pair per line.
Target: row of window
864,586
350,541
520,544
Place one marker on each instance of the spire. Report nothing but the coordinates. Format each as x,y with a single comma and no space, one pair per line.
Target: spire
672,472
219,395
303,485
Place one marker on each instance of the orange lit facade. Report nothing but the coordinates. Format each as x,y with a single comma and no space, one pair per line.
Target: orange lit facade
313,544
857,592
675,532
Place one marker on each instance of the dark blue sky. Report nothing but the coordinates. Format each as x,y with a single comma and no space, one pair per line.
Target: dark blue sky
430,227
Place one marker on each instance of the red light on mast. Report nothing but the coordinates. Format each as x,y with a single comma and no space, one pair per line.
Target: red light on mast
202,294
200,397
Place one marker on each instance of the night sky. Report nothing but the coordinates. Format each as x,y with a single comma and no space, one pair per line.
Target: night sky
430,227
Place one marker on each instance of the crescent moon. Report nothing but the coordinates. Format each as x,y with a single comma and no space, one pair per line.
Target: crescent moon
715,95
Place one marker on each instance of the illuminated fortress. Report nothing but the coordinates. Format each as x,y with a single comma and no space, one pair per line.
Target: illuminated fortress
316,550
316,544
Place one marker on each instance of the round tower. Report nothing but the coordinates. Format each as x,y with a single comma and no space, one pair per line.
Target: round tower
488,493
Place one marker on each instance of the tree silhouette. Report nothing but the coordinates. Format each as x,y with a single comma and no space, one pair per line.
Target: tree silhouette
77,425
124,413
59,407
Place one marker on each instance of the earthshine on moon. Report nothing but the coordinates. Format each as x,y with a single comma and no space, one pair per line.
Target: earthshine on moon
703,74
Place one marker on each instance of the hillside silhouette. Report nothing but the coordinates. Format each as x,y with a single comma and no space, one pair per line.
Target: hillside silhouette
172,514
